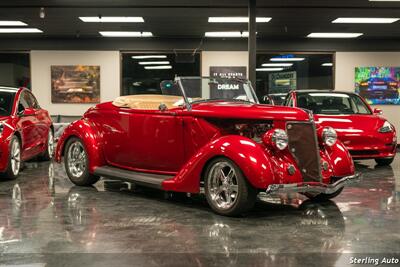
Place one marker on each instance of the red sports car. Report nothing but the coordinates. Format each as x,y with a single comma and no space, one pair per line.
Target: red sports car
206,133
365,133
26,130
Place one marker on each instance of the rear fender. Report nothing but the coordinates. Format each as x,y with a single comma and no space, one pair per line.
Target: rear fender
91,138
248,155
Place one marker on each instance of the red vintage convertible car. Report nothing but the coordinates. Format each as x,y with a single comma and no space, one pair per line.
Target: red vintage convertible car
365,133
26,130
206,133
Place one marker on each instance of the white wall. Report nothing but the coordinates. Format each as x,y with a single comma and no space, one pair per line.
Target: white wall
346,62
41,61
223,58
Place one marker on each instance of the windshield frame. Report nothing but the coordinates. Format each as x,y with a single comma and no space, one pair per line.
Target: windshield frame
349,94
188,104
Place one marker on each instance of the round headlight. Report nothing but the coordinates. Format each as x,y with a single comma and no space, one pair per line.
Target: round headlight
280,139
329,136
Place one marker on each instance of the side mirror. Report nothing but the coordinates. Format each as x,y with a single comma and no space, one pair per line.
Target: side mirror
378,111
27,112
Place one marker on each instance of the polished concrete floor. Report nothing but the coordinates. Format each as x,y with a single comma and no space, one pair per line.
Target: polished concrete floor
47,221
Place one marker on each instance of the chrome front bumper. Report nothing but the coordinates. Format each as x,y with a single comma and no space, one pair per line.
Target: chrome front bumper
315,187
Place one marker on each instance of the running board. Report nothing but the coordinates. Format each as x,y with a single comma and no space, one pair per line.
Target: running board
140,178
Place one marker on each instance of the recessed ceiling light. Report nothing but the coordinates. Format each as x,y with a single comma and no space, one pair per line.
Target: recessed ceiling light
20,30
12,23
277,64
158,67
112,19
149,56
237,19
125,34
227,34
365,20
285,59
154,63
327,64
334,35
269,69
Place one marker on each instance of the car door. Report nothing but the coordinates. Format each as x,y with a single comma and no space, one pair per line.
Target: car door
148,140
27,127
41,121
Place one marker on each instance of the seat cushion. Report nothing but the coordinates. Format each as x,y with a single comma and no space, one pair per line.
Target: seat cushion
149,102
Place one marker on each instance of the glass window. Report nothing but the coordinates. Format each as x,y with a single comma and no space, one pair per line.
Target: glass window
15,70
23,102
281,73
32,101
142,73
332,103
6,102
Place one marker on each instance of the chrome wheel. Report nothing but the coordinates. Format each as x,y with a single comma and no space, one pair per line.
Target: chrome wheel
76,158
223,185
50,144
15,157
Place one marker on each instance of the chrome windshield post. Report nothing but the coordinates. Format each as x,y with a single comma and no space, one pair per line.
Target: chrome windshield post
187,102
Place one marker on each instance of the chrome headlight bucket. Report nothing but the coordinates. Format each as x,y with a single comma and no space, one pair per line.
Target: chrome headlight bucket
386,128
329,136
277,138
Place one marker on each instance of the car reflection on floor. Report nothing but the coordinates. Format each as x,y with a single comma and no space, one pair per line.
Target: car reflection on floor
45,219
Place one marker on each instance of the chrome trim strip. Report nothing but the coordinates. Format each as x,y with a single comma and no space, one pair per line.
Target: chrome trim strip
316,187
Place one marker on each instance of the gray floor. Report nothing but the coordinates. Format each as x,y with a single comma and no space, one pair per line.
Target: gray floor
46,221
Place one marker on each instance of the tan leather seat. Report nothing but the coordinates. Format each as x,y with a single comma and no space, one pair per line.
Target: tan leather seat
149,102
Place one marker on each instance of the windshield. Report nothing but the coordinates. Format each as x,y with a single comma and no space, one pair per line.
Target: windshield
198,89
332,103
6,103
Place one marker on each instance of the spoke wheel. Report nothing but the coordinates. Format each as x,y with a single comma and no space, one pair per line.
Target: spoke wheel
226,188
49,152
15,157
14,160
76,163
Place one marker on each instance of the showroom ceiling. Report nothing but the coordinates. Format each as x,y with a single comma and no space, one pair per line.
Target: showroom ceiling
188,19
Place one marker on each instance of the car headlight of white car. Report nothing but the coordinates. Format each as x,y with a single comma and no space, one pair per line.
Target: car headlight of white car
386,128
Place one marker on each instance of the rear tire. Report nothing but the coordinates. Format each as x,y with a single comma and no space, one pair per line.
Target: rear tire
227,190
77,163
384,162
48,154
14,160
322,196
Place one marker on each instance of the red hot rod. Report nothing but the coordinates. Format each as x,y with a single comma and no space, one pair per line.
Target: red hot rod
210,133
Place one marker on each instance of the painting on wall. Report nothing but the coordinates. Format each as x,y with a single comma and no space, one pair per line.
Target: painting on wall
75,84
378,85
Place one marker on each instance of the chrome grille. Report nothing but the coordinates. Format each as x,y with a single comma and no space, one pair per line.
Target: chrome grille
303,145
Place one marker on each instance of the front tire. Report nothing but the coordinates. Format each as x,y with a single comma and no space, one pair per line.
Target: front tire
14,160
384,162
226,188
76,163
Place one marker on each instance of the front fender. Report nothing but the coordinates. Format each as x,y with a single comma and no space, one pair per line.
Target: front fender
340,159
251,158
85,130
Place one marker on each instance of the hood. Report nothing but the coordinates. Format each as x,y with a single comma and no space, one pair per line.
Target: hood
226,109
352,124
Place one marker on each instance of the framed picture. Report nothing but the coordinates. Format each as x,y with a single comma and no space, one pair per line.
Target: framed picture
378,85
75,84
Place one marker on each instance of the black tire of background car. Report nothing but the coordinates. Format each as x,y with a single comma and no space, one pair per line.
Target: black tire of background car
46,156
384,162
86,179
8,173
247,194
324,197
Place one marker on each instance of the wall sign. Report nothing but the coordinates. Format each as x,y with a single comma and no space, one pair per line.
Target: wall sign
75,84
378,85
230,89
282,82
